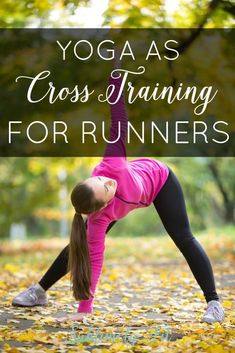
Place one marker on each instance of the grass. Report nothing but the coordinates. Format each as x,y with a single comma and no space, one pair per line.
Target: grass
218,242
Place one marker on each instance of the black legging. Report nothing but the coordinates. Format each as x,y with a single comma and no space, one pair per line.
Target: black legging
170,206
58,268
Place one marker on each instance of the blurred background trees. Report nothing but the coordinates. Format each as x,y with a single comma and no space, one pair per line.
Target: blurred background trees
117,13
31,194
31,188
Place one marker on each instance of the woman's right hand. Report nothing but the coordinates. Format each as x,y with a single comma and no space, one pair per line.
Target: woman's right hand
74,317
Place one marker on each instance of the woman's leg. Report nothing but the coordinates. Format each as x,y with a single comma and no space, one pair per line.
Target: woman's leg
58,269
170,206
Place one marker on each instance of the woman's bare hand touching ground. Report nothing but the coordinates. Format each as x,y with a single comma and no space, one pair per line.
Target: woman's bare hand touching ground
74,317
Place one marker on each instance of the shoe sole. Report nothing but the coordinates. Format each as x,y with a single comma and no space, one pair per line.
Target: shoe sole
29,306
212,322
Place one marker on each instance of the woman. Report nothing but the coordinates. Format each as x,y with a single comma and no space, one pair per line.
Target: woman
116,187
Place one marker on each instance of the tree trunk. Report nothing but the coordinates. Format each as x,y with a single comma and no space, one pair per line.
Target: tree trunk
228,203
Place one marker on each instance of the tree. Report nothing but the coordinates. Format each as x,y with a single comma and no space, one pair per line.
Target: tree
32,184
222,171
35,13
153,14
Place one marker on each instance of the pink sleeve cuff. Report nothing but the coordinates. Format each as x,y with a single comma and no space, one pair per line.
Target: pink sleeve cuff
83,309
85,306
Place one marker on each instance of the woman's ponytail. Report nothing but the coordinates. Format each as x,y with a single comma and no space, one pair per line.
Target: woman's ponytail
83,200
79,261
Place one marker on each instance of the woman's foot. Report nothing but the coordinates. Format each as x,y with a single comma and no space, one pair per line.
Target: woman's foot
214,312
32,296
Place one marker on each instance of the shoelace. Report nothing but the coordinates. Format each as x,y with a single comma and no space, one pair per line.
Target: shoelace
32,292
28,289
215,311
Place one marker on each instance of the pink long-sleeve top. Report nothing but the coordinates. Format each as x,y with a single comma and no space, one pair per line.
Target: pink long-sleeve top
138,183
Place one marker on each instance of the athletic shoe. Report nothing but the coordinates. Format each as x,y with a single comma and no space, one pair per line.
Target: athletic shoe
214,312
30,297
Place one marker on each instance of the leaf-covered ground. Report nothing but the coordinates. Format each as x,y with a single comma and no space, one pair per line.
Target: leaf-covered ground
147,300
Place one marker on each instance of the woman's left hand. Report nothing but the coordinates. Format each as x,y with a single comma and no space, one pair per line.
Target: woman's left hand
74,317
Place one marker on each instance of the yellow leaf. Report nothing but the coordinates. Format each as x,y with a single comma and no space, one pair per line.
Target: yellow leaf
143,349
118,346
10,349
48,320
184,274
164,276
107,286
125,300
216,348
203,344
219,329
2,285
11,268
28,336
227,304
134,312
114,275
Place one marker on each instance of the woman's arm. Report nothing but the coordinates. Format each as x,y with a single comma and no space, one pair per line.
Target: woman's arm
119,119
96,230
85,307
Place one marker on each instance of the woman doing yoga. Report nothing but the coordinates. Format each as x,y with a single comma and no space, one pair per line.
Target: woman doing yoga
116,187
